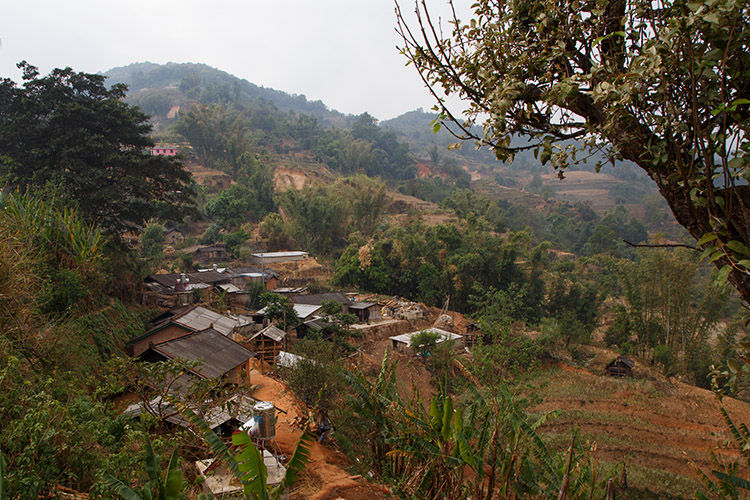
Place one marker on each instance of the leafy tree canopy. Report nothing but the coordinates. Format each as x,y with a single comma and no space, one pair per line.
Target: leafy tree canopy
662,84
66,132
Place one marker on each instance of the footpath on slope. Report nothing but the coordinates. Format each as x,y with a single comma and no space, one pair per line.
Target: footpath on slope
324,477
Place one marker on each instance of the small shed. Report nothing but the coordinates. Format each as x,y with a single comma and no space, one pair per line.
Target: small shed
212,253
268,343
620,367
172,236
403,342
264,258
365,311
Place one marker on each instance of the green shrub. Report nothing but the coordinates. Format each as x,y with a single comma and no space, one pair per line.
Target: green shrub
424,341
664,357
620,331
508,355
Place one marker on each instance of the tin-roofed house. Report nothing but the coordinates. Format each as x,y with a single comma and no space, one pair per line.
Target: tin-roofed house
365,311
212,253
173,289
187,321
211,356
243,277
403,342
216,355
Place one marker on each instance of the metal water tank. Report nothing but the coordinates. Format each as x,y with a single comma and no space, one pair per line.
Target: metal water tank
265,416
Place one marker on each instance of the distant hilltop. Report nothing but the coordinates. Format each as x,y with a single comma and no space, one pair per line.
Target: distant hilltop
202,82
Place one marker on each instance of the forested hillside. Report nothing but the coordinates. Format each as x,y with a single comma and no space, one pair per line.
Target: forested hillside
156,88
104,241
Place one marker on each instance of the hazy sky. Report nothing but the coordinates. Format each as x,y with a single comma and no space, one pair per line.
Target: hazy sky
342,52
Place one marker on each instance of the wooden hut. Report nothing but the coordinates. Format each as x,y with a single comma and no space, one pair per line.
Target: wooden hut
474,335
620,367
365,311
268,343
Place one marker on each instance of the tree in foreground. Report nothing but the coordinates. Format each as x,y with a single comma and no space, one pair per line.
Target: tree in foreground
69,134
663,84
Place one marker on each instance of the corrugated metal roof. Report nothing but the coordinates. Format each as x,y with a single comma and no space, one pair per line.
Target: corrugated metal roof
303,310
361,305
252,272
167,280
319,298
238,407
197,280
318,323
229,288
269,255
405,338
624,360
272,333
217,354
286,289
200,318
209,277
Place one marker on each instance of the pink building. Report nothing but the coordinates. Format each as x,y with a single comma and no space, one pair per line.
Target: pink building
164,151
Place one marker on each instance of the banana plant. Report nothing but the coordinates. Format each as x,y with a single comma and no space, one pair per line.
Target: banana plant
370,401
245,461
437,444
727,481
168,488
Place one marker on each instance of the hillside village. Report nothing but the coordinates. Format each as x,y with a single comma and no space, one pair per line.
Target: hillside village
244,349
212,289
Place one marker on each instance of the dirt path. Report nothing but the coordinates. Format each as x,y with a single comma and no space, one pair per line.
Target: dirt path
324,477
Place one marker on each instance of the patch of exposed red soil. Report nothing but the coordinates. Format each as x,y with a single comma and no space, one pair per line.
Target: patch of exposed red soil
286,178
356,493
325,470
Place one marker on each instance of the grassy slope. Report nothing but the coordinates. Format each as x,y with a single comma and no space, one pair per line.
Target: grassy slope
663,430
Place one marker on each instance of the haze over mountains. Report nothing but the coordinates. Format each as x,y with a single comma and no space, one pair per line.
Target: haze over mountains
162,90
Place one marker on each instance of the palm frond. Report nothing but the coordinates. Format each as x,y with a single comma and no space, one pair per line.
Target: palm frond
731,478
252,467
120,487
220,450
152,463
299,460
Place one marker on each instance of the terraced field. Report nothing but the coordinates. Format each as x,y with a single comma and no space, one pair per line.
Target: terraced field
662,431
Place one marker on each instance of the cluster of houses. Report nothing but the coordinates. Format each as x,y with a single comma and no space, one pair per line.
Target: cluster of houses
232,283
222,345
213,347
222,348
179,289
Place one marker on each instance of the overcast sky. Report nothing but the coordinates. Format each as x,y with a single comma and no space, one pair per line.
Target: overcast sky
342,52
